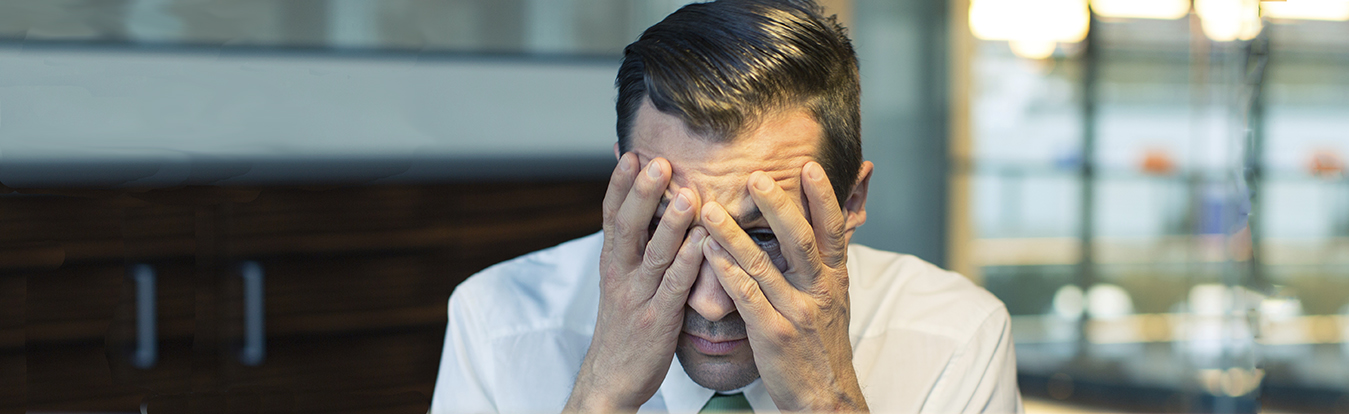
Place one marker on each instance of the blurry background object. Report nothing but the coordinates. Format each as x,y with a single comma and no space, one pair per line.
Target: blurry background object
1326,164
1332,10
1228,20
1141,9
1031,27
1177,173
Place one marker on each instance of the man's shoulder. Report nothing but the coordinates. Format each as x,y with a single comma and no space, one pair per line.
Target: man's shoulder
541,289
900,291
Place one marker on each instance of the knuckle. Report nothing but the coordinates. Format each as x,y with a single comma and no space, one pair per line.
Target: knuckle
746,290
723,266
686,259
671,291
609,269
759,265
646,320
782,203
826,301
647,188
625,228
834,223
609,283
804,242
610,209
655,258
804,317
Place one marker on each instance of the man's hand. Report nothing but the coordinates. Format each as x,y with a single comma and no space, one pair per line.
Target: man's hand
797,318
644,283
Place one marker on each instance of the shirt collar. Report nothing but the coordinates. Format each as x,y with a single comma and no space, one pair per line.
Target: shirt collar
683,396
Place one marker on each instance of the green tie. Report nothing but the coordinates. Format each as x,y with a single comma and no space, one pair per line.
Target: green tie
727,403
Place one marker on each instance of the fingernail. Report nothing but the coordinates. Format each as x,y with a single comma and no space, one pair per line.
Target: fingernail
714,215
682,203
653,169
761,182
624,164
716,247
697,236
814,171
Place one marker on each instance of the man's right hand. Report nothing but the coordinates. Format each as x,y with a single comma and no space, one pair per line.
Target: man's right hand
644,284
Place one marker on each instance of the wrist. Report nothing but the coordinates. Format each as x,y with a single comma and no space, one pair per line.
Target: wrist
591,396
848,398
583,402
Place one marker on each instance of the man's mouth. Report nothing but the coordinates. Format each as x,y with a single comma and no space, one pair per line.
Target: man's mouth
716,346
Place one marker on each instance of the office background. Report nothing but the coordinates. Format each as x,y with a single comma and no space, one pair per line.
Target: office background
263,205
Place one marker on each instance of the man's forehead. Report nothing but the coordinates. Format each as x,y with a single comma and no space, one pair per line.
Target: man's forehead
719,170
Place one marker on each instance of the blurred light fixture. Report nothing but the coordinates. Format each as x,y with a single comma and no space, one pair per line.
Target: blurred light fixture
1033,49
1228,20
1108,301
1142,9
1332,10
1032,27
1068,302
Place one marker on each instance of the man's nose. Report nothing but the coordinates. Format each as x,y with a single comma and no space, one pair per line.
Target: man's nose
708,298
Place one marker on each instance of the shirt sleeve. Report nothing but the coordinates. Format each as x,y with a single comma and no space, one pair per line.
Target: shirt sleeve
463,384
981,376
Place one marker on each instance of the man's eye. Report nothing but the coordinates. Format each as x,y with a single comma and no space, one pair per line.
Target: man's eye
763,237
769,243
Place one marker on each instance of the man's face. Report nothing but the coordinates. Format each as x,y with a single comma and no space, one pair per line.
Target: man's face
713,348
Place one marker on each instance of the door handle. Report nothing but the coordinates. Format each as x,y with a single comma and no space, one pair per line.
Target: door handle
146,353
255,341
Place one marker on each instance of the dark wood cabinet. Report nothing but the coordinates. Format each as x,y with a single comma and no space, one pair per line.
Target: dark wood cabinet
355,283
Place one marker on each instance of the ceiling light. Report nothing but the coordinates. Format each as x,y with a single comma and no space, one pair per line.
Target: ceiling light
1228,20
1332,10
1032,26
1142,9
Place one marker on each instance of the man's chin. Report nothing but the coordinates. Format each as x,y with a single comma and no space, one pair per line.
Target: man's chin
721,373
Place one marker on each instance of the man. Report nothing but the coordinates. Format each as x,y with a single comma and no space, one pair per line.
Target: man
723,277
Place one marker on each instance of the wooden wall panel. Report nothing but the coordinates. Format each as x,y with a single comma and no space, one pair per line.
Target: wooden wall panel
356,282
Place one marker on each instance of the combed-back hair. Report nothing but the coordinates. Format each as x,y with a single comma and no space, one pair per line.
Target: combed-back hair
721,67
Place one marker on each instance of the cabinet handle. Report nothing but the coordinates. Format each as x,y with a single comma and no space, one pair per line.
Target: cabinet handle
255,348
147,346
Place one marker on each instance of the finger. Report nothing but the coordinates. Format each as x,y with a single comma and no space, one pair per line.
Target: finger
747,254
790,226
664,244
747,292
827,218
619,184
634,216
679,277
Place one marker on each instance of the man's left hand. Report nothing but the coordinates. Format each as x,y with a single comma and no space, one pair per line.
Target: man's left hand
796,318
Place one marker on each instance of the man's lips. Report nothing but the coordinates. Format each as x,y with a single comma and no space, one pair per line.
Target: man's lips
711,347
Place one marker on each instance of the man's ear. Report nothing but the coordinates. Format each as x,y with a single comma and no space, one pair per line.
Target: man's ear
617,156
855,209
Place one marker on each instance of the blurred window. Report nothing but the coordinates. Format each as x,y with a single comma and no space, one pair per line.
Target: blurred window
587,27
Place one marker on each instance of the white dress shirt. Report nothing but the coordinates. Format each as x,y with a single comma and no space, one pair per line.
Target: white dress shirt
924,339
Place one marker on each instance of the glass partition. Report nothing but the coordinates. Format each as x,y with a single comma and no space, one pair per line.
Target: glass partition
1163,209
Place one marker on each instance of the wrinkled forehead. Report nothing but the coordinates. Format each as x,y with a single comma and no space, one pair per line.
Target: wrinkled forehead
728,189
719,170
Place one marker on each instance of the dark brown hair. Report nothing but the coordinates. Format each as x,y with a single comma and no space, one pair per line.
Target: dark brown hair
723,66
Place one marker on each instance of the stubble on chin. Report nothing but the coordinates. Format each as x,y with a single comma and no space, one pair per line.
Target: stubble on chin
719,372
